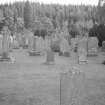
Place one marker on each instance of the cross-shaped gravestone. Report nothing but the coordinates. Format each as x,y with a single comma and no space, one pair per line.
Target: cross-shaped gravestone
5,45
82,50
92,46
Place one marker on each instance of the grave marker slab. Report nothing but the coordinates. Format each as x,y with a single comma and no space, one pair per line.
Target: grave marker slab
5,45
1,38
92,46
82,51
103,46
74,44
33,46
50,56
64,47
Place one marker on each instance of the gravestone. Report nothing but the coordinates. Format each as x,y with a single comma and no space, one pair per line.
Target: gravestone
74,44
50,56
64,48
103,46
24,42
82,50
1,38
15,44
76,88
5,45
92,46
11,43
33,46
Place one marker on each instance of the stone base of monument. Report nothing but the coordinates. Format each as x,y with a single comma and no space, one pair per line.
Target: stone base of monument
5,57
92,52
66,54
82,60
50,58
25,47
34,53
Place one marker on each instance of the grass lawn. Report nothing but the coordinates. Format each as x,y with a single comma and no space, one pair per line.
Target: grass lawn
29,82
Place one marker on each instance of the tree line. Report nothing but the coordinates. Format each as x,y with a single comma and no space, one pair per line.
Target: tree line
46,17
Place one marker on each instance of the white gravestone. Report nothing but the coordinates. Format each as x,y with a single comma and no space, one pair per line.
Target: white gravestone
82,50
64,47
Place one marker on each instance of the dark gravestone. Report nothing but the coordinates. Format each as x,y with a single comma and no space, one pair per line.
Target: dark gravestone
50,57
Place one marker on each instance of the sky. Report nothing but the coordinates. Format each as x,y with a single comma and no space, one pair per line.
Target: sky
67,2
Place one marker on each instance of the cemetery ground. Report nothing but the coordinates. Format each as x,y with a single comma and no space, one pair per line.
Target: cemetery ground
28,81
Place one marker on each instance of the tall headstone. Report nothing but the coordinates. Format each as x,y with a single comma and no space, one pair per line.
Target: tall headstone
5,45
92,46
24,42
74,44
103,46
50,56
82,50
1,39
33,46
64,47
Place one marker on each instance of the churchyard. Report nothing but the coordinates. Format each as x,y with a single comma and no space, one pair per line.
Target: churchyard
50,78
52,54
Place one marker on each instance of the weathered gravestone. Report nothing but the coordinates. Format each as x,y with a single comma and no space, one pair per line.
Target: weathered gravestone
64,48
50,56
82,50
15,44
74,44
24,45
33,46
103,46
1,39
76,88
5,45
92,46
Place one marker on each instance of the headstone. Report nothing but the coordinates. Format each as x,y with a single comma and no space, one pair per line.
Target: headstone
11,44
5,45
103,46
74,44
15,44
82,50
33,46
50,56
1,39
64,47
24,42
92,46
